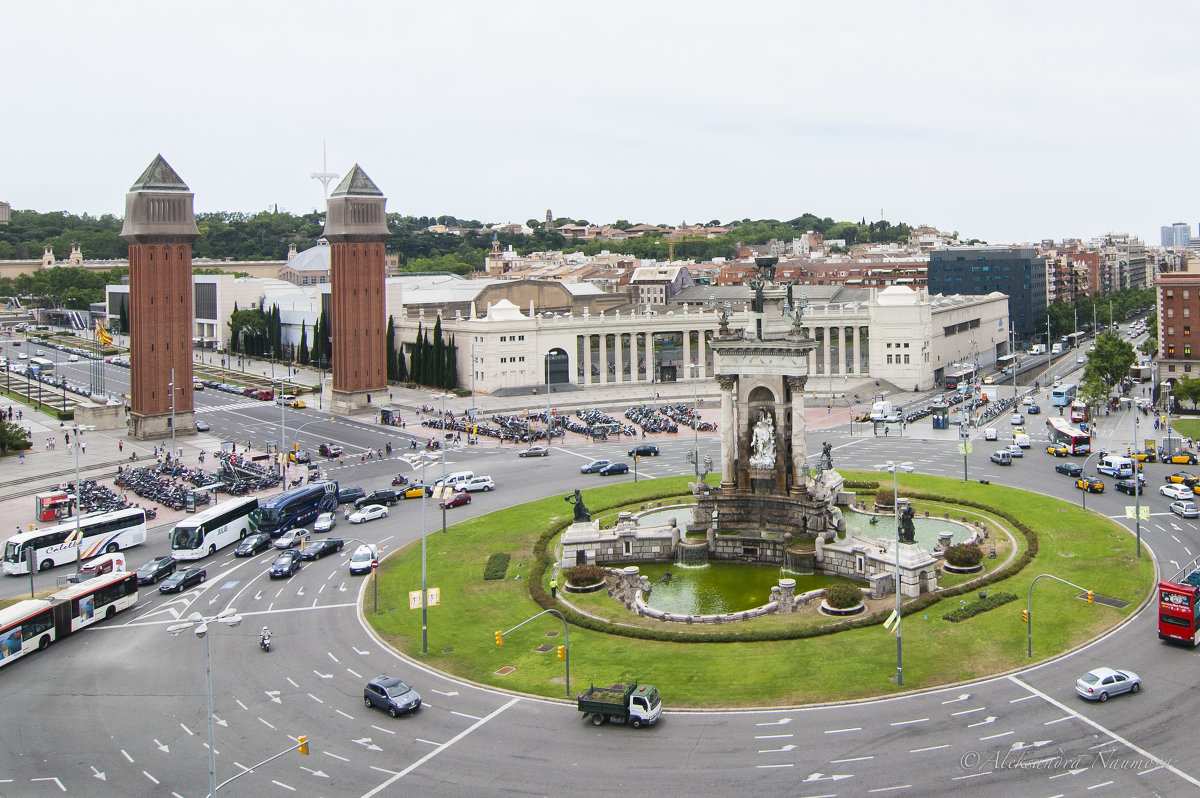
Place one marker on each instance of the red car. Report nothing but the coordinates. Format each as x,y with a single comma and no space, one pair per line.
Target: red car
456,500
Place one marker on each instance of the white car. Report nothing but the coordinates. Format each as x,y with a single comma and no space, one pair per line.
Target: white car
325,522
73,358
362,558
1099,684
1185,509
1180,492
1014,450
291,538
1016,419
990,434
369,513
1081,359
478,483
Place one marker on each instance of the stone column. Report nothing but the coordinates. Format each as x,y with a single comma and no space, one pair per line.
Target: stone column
826,352
587,359
687,352
619,343
729,436
650,378
851,349
603,358
633,366
799,448
700,353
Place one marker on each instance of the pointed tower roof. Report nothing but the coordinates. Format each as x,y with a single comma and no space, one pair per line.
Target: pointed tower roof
159,176
355,183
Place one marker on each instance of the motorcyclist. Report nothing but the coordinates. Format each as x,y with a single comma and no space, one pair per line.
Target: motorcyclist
264,639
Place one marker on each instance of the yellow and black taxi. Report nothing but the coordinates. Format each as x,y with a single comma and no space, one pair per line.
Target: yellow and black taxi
1183,478
1181,458
1143,457
1090,484
1058,450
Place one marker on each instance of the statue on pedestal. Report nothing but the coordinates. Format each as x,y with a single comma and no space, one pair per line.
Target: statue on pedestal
581,510
908,533
762,442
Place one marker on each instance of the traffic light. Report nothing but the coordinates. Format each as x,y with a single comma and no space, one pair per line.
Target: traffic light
562,652
303,744
1091,596
500,638
1025,616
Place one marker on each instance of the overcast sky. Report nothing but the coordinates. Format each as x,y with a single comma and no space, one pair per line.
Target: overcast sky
1009,122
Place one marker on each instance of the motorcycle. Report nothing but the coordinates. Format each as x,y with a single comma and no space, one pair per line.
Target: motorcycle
400,479
264,640
297,482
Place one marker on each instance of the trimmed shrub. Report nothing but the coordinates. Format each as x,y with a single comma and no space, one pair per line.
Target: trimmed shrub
964,555
497,566
585,575
975,607
842,596
885,497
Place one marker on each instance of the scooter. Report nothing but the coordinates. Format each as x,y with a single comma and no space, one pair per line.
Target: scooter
400,479
264,640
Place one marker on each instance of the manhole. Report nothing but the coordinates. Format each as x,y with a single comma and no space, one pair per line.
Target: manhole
1107,601
447,650
545,648
551,634
507,669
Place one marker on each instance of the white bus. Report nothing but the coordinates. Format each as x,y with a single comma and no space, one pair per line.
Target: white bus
24,627
101,534
215,528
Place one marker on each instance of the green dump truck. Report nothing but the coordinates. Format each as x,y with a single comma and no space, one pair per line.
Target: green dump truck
636,704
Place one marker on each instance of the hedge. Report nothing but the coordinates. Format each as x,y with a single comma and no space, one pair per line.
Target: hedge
497,566
975,607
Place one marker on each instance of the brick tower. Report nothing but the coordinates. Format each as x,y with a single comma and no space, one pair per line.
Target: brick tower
160,227
356,228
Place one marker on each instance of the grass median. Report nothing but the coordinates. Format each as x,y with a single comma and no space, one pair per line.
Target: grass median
1077,546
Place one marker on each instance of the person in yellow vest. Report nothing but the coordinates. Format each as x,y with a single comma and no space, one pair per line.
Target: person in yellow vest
553,588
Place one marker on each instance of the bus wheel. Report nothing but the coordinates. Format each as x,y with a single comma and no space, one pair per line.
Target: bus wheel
110,612
44,642
111,547
212,549
46,565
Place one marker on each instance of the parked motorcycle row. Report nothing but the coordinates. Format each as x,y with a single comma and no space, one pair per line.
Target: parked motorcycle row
97,498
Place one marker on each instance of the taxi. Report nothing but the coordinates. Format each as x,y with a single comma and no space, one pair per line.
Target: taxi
1143,457
1058,450
297,403
1090,484
1183,478
1181,458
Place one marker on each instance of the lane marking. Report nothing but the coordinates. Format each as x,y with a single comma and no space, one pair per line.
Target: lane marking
930,748
995,736
380,728
343,714
335,756
144,773
125,754
843,731
907,722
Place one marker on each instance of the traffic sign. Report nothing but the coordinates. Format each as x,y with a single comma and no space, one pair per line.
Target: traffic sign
433,598
1134,511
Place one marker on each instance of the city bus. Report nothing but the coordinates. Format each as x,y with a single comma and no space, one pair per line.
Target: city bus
33,624
1079,411
295,507
960,376
1006,363
1179,610
43,365
1062,433
1074,339
215,528
56,545
1063,395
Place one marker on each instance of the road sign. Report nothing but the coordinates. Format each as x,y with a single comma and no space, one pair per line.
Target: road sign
433,598
1134,511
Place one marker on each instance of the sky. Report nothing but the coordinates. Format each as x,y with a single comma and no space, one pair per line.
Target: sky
1008,122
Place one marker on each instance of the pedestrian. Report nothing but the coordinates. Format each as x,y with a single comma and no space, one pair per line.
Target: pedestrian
554,587
83,447
67,437
156,450
21,457
121,446
886,430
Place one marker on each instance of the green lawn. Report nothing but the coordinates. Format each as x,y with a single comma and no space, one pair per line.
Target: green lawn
1080,547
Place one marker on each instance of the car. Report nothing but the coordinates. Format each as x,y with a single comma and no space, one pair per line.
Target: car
991,434
324,522
391,694
1129,486
1144,457
644,450
291,538
384,496
315,551
1002,457
612,469
72,358
203,426
297,403
1081,360
483,483
1180,492
1034,410
364,558
155,569
368,513
1058,450
253,544
197,385
1090,484
350,494
593,467
330,450
1016,419
1101,683
1183,478
1028,400
285,565
1014,450
1185,509
182,580
283,398
534,451
1070,469
1180,458
41,353
416,491
988,379
300,457
1057,384
457,499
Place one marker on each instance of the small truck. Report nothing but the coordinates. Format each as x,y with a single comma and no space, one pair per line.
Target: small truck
636,704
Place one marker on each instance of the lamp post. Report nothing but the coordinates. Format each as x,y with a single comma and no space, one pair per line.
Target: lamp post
695,424
442,448
895,468
423,458
1137,484
171,384
77,429
1083,475
198,623
549,436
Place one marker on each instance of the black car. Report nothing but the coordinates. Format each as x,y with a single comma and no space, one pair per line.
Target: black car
384,496
329,450
644,450
301,457
315,551
155,570
388,692
614,468
285,564
1129,486
1070,469
182,580
253,544
203,426
350,495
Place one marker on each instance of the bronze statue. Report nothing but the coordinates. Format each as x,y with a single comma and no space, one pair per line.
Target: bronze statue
581,510
908,533
827,454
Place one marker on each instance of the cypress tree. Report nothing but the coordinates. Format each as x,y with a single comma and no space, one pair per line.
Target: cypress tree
438,357
326,340
415,364
303,343
391,350
451,365
401,369
123,317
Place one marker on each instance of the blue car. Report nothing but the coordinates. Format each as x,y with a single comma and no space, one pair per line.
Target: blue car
613,468
1034,410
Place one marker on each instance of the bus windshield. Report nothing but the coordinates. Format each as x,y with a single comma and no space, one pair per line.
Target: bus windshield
12,552
266,517
187,537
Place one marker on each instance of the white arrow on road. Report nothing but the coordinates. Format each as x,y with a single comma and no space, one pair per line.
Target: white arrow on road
780,722
360,653
366,741
322,675
318,773
984,722
220,722
342,587
274,696
1071,772
215,599
300,592
439,692
1021,745
162,747
787,747
99,774
258,595
832,777
961,697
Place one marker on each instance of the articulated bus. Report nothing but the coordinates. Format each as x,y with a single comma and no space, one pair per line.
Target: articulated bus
215,528
1179,610
295,507
1063,395
962,376
1061,432
56,545
33,624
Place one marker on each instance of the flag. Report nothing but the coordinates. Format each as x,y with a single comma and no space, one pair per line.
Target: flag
891,623
102,334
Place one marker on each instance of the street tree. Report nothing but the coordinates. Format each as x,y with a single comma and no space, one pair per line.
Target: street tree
1109,362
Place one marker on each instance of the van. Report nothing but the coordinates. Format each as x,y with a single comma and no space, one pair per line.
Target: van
362,558
1037,349
98,566
1116,466
1002,457
1056,349
1021,439
455,480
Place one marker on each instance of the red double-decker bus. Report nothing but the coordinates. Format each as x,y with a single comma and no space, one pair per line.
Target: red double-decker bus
1179,610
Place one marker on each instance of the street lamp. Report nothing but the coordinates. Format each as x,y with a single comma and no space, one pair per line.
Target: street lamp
442,448
695,422
198,623
77,429
423,458
895,468
1084,476
549,436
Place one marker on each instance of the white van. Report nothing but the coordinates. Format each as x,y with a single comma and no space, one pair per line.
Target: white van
455,480
1056,349
363,556
98,566
1002,457
1116,466
1022,440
